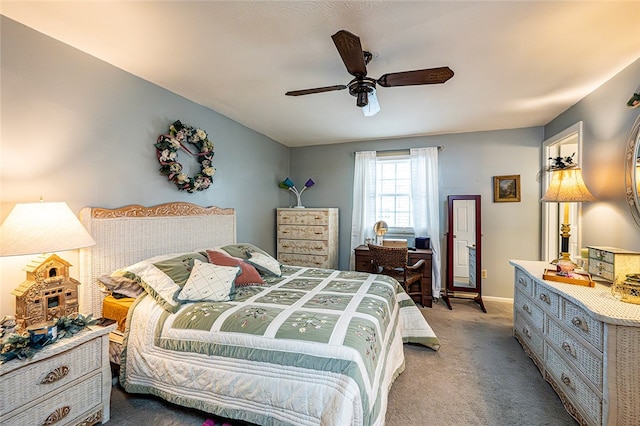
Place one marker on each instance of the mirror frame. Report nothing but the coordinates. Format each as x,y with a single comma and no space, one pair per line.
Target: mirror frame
550,225
451,288
632,162
478,243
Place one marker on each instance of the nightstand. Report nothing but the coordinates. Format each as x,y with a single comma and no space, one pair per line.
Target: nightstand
66,383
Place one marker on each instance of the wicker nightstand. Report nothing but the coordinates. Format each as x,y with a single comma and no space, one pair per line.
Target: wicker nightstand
66,383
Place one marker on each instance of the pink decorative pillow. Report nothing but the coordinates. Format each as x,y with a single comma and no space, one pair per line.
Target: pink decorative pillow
249,274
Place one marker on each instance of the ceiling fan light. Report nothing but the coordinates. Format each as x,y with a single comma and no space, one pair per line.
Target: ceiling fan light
362,99
372,107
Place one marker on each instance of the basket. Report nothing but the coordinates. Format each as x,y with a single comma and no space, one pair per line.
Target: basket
627,291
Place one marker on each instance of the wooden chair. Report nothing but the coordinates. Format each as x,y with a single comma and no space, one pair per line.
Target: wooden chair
392,261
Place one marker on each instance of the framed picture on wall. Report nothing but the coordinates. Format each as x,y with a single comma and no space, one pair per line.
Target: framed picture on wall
506,189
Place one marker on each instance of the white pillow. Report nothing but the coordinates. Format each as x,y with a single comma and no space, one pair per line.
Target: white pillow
265,263
209,282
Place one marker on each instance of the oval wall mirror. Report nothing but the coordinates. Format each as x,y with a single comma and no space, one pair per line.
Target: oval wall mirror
632,171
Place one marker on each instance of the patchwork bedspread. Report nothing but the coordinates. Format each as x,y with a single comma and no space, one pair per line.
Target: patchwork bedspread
312,347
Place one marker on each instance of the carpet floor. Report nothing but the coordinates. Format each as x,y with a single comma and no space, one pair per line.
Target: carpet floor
480,376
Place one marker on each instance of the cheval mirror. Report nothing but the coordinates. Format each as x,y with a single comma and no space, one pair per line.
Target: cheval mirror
464,249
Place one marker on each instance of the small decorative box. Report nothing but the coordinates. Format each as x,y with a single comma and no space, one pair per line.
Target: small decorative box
612,263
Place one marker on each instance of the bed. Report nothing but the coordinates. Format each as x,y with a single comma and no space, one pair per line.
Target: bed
305,346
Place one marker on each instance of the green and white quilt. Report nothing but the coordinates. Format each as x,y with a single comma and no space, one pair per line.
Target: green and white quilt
312,347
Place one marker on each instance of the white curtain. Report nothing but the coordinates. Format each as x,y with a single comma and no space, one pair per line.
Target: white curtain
425,199
364,201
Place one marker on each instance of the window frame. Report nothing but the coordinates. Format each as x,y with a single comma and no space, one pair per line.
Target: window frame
394,157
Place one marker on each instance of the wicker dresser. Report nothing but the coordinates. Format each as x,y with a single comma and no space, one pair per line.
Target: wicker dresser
308,237
585,343
66,383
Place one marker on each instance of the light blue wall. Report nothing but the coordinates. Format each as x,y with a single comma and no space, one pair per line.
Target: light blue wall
607,123
467,164
79,130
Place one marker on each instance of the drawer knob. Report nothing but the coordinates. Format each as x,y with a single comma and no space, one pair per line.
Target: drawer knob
581,324
57,415
567,381
566,346
526,332
526,308
545,298
55,375
522,281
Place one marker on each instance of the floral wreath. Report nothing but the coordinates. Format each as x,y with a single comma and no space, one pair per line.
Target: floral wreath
167,152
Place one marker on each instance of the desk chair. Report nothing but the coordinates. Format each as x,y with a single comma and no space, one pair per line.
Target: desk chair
392,261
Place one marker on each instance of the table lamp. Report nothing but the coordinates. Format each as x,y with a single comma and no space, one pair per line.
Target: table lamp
566,186
43,228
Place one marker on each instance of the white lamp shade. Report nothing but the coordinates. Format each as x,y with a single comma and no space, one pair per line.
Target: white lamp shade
34,228
567,186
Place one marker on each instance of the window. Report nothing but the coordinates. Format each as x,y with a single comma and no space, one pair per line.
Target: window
393,201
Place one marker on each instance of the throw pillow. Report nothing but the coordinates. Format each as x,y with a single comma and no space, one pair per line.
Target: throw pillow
163,276
126,286
242,250
248,276
209,282
265,263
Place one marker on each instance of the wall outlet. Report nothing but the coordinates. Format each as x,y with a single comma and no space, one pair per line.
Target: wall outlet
483,274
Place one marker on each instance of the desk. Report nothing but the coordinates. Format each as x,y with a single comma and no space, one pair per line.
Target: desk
363,264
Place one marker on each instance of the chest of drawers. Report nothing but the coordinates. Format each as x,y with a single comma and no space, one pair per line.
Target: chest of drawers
66,383
612,263
584,342
308,237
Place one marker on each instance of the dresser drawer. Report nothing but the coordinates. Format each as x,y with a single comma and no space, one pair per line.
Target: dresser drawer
529,333
363,263
589,328
303,260
524,283
46,376
69,406
303,246
602,255
528,309
547,299
303,232
306,217
574,387
601,269
582,358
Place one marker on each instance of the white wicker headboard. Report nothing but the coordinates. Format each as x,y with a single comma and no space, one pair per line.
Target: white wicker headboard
133,233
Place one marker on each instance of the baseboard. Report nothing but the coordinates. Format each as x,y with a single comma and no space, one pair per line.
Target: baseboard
498,299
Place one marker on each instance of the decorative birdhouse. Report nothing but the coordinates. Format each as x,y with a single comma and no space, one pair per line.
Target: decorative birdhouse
48,292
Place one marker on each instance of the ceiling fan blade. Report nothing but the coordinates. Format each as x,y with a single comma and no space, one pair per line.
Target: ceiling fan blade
316,90
350,51
417,77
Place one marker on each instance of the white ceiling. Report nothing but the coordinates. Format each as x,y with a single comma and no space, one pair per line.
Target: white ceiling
516,63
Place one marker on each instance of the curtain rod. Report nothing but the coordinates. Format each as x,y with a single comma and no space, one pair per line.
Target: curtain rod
399,151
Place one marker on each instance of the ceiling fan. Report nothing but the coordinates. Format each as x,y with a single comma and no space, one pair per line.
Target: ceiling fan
363,88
